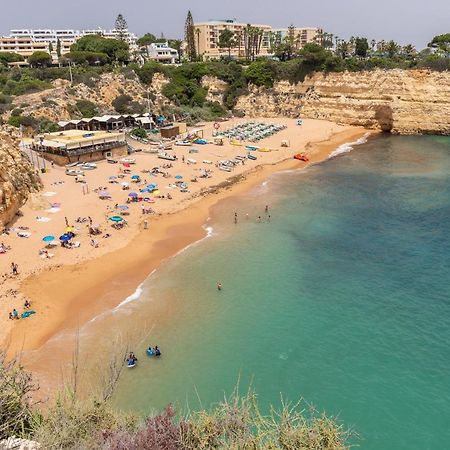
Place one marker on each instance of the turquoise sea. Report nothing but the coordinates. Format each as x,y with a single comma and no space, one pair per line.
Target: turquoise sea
342,299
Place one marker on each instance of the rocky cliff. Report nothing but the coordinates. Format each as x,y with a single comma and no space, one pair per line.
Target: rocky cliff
399,101
59,102
17,176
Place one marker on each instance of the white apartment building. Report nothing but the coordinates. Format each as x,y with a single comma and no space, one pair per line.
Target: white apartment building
161,52
27,41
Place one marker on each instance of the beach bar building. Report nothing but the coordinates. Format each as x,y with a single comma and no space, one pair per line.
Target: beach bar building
108,123
70,146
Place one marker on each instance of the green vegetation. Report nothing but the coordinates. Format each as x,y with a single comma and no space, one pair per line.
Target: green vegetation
9,57
234,423
40,124
112,50
139,133
87,108
124,104
40,59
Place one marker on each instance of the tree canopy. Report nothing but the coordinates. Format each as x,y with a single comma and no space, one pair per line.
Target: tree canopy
146,39
114,49
227,41
9,57
442,41
40,59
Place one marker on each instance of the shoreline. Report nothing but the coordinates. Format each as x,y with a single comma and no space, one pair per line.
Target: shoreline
108,280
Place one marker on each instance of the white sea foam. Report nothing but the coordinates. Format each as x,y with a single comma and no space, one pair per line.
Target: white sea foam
348,147
131,298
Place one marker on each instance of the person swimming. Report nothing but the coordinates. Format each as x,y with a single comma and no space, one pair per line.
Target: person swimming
219,286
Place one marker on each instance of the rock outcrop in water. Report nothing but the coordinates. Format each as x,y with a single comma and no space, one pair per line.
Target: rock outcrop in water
17,175
399,101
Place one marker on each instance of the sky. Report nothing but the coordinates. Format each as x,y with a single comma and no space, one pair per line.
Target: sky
405,21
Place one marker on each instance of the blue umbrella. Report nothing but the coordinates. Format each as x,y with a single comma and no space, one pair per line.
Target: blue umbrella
48,238
152,186
116,218
65,237
135,177
178,177
133,194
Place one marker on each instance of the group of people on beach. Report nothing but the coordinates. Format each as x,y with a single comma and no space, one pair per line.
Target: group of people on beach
14,314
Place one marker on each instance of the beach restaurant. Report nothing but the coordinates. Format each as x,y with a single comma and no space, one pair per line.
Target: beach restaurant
64,147
108,122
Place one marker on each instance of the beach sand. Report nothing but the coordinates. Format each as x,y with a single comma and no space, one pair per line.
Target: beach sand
78,284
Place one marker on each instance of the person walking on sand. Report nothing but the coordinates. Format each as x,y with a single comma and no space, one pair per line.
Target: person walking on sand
14,268
268,218
266,209
146,224
259,219
235,217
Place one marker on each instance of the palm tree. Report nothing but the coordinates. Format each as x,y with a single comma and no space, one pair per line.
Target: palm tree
198,32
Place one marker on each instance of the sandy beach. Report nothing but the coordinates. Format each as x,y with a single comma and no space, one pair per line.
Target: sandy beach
74,285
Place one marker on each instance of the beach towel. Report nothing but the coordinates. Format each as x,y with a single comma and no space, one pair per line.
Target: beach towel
48,194
42,219
26,314
53,210
24,234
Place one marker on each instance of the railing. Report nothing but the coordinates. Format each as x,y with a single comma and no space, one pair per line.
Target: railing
79,151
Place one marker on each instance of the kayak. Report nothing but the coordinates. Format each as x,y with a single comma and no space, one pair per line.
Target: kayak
130,364
253,158
301,157
251,147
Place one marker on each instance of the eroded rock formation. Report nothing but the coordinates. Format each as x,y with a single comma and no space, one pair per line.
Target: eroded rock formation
17,176
400,101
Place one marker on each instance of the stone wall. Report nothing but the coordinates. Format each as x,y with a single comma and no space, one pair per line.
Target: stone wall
18,177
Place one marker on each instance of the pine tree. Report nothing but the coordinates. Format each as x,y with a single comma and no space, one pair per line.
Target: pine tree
58,48
121,27
189,36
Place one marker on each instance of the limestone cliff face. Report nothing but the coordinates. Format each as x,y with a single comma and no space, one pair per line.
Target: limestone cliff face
17,176
400,101
216,89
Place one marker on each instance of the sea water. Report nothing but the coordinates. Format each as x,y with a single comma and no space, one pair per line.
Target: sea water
342,298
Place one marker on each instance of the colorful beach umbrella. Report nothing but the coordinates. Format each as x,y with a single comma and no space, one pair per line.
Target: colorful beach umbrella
179,177
135,177
113,177
48,238
116,219
65,237
133,194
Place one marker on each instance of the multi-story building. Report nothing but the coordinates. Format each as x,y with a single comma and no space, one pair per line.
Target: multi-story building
207,38
161,52
301,36
25,42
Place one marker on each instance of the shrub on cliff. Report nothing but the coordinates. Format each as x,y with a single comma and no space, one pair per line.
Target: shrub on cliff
87,108
124,104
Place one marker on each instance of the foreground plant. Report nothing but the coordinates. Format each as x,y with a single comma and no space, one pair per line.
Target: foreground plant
236,423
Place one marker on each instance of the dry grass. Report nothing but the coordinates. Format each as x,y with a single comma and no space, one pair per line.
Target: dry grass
236,423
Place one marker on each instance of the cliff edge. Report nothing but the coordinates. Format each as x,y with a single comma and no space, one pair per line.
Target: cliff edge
398,101
17,175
